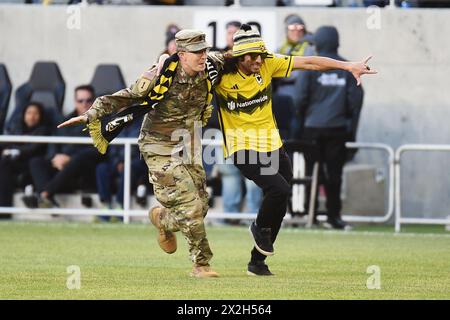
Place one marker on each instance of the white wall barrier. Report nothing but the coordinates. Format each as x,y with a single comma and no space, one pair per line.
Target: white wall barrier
398,208
390,209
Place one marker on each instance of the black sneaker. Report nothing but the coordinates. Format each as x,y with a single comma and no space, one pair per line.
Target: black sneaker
86,200
337,224
258,268
262,239
30,201
142,201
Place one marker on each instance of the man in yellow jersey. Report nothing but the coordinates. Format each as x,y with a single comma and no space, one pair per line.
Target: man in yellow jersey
251,138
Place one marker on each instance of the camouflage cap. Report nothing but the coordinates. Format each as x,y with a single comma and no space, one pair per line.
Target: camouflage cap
191,40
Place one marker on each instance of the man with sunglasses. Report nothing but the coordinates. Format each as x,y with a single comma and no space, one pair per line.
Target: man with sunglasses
65,164
179,183
251,137
298,39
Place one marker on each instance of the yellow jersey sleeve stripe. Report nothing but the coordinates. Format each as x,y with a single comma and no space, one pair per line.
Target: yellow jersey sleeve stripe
289,68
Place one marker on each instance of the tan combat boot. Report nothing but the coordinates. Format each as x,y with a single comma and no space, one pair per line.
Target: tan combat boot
166,239
203,272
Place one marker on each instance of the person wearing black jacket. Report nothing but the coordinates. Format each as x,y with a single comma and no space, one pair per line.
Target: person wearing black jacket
64,164
329,105
15,157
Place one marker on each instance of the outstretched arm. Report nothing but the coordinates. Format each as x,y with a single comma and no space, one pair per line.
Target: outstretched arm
105,105
323,64
74,121
121,99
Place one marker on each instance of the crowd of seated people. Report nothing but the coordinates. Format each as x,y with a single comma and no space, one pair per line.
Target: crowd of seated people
51,169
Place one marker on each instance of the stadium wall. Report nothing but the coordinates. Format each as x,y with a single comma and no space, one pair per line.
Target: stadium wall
408,102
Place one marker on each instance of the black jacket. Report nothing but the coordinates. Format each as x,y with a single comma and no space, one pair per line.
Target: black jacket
328,99
28,150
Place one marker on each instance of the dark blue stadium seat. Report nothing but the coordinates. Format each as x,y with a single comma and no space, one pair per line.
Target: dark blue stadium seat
46,85
5,95
107,79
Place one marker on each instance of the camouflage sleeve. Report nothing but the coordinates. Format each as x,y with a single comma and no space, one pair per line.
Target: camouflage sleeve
136,94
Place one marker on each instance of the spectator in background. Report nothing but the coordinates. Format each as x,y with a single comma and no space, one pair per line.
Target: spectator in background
15,158
65,164
171,46
110,173
298,42
329,103
231,28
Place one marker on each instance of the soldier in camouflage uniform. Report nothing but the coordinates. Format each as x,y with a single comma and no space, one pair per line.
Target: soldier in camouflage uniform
179,181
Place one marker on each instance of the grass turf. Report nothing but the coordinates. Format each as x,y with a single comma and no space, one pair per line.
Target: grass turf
124,262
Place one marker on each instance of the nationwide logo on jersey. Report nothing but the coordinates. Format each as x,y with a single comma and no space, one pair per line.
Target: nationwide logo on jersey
243,104
259,79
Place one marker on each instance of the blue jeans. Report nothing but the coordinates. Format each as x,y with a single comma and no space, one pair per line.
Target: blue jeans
107,176
231,188
253,197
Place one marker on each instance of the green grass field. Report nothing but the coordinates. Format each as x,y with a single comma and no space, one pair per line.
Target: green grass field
124,262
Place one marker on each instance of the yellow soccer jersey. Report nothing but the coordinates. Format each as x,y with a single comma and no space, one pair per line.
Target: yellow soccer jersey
245,107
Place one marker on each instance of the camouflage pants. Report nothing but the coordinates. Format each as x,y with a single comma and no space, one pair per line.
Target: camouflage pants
181,188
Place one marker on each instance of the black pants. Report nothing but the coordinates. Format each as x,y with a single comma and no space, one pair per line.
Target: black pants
331,154
81,166
273,174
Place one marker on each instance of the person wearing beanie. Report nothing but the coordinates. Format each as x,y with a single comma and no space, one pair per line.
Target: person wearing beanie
231,178
250,134
297,37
